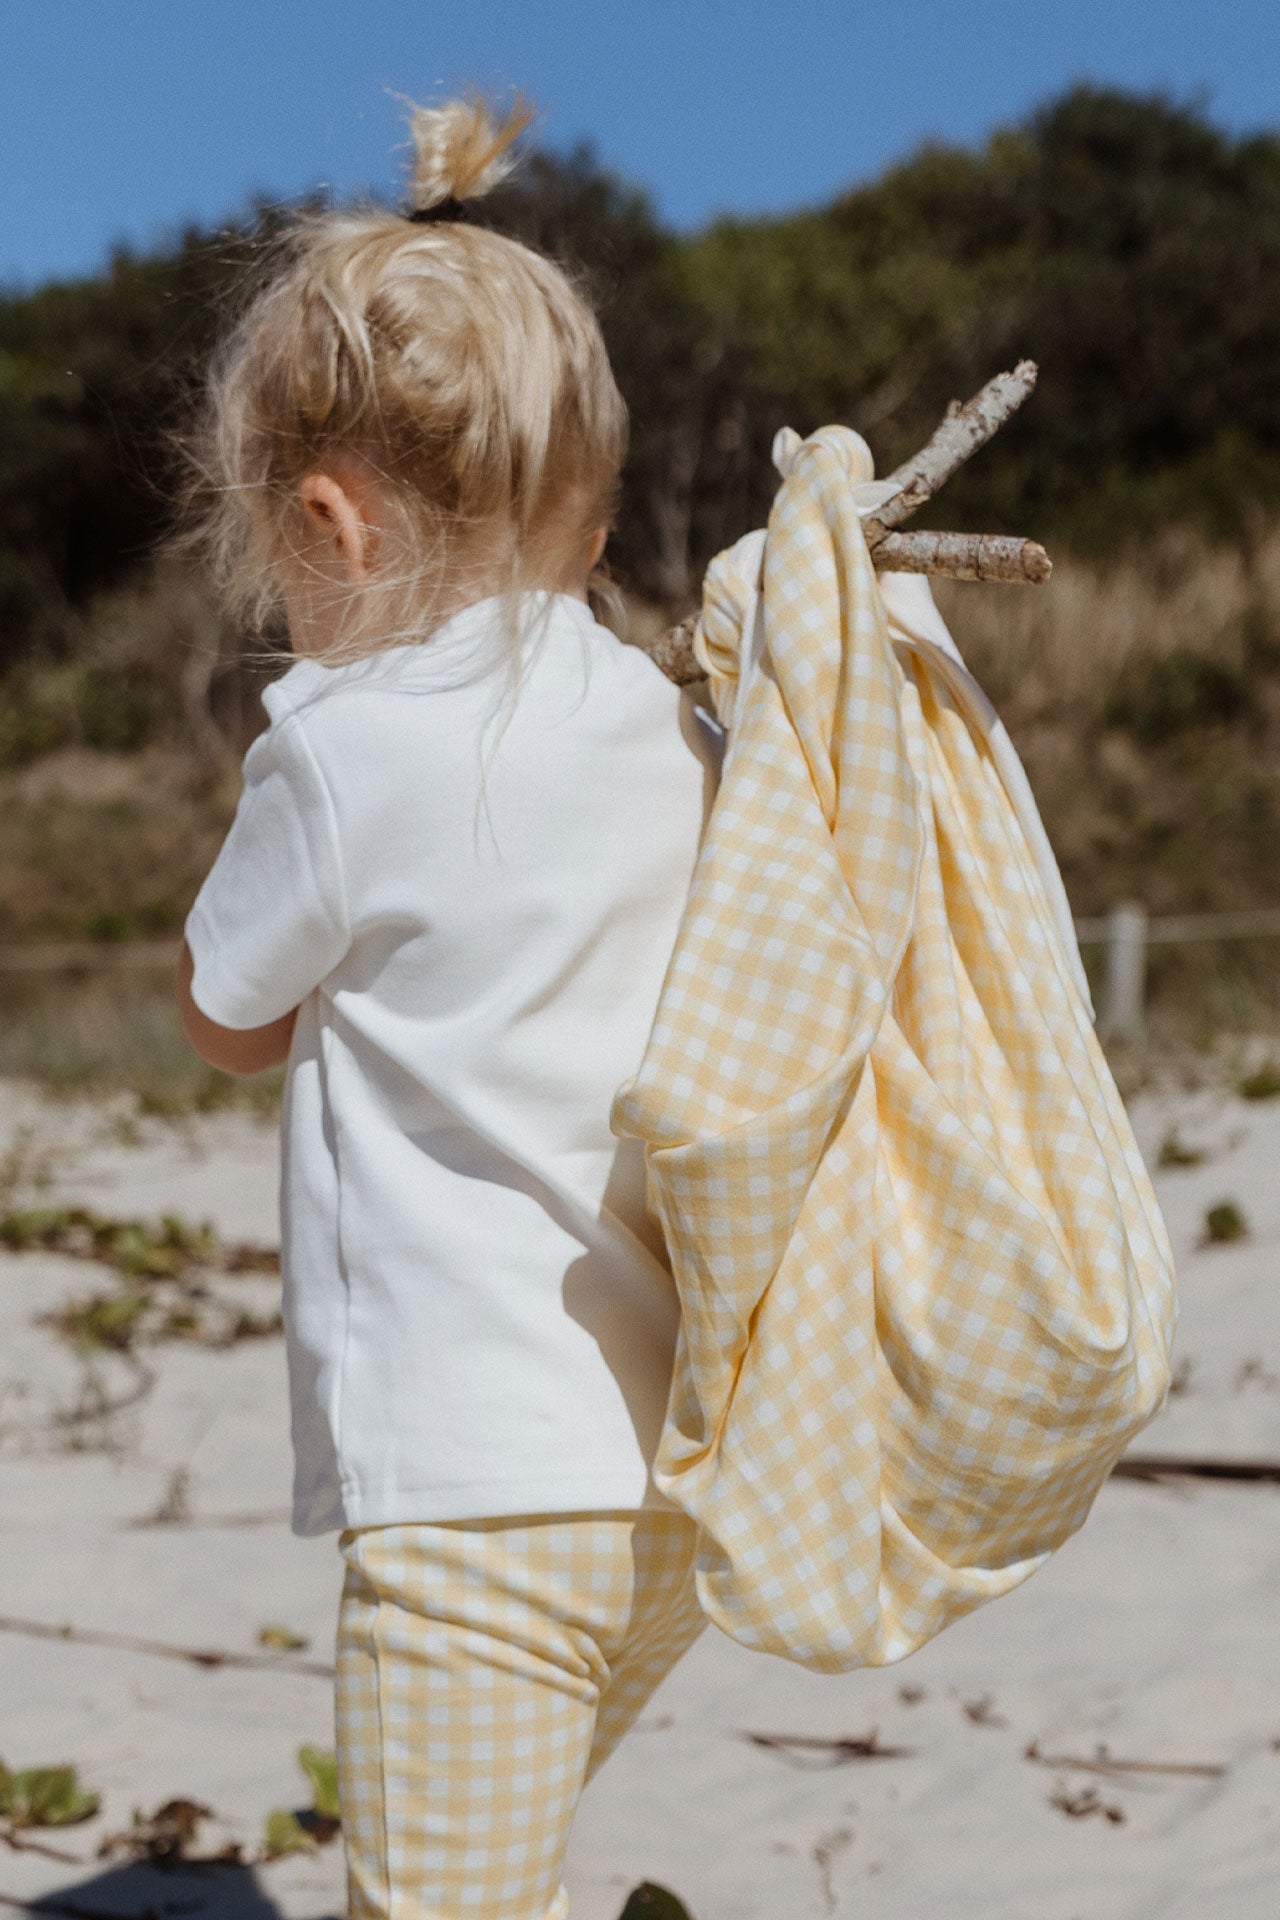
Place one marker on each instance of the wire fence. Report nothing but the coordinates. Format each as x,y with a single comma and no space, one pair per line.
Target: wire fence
1129,930
89,956
1126,932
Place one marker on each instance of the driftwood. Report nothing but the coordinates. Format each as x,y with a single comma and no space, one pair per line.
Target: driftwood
957,556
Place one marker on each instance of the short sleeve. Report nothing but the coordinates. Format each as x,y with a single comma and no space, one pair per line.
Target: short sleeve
271,919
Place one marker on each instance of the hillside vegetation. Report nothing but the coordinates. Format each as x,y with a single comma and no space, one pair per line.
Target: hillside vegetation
1124,242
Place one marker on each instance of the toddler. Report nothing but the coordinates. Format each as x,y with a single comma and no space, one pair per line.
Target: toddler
448,899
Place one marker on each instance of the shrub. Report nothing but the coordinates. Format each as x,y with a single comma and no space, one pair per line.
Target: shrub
1262,1084
1224,1222
1162,697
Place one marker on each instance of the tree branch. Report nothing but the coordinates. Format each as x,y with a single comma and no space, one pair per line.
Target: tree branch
955,556
673,652
965,429
963,556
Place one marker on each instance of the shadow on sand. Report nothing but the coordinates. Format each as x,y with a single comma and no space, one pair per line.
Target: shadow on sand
140,1890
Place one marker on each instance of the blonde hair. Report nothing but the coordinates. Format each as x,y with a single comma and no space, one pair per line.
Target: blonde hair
461,366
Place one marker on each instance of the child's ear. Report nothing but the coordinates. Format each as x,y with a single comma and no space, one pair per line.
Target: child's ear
595,547
336,521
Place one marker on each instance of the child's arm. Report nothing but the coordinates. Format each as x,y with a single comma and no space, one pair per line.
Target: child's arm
231,1049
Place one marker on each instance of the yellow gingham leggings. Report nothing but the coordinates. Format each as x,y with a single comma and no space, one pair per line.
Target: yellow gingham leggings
486,1668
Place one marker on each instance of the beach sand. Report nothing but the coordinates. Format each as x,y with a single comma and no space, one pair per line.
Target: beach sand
1151,1634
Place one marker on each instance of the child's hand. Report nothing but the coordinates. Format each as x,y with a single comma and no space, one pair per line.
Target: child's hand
231,1049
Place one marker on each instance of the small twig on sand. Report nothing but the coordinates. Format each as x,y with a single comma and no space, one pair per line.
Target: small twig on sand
982,1712
261,1517
865,1746
193,1656
1087,1801
1102,1762
95,1406
19,1845
1155,1466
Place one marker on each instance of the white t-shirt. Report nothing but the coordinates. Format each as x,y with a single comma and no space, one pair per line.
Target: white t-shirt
474,926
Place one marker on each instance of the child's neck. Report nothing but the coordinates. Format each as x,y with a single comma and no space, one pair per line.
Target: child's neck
336,597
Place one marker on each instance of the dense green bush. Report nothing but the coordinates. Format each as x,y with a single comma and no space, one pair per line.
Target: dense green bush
73,703
1165,696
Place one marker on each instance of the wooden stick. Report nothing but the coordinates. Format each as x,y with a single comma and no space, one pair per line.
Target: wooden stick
1102,1762
194,1656
1158,1466
673,652
862,1746
262,1517
953,556
965,429
963,556
19,1845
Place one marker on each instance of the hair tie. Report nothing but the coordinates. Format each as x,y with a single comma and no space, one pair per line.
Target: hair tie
449,209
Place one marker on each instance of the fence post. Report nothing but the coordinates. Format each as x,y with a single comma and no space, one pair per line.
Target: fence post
1122,1005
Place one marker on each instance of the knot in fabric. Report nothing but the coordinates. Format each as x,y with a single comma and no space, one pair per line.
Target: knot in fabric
849,448
734,577
866,493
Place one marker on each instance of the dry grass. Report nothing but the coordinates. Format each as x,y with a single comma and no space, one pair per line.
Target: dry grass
1144,701
112,1032
109,847
1060,650
105,846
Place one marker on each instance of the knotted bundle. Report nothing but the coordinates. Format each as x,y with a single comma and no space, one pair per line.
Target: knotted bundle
927,1296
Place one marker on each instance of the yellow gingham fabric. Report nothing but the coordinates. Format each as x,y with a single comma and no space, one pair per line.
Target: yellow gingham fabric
486,1669
927,1295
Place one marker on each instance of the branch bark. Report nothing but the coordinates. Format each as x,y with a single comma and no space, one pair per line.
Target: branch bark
673,652
965,429
963,556
956,556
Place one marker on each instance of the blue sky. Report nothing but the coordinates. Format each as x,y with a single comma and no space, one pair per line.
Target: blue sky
121,118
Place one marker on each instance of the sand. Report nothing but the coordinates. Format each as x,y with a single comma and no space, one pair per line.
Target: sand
1152,1633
